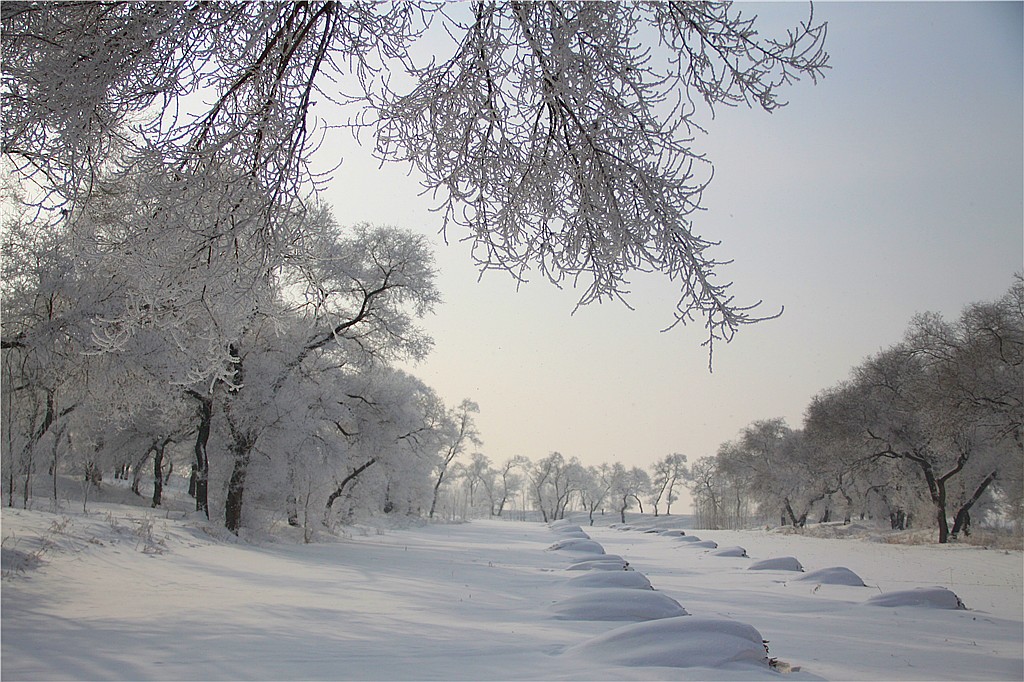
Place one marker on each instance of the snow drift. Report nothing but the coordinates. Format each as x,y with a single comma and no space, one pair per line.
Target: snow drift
577,545
782,563
626,579
735,551
600,565
677,643
700,544
927,597
834,575
618,604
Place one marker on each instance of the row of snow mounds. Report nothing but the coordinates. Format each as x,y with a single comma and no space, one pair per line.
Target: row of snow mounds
925,597
663,633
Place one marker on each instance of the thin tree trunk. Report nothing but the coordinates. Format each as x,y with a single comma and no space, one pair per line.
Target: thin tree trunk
348,479
158,472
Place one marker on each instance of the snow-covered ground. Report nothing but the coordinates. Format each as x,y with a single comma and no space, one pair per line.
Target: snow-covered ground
124,593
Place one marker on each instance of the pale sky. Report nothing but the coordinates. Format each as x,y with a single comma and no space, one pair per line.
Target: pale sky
894,186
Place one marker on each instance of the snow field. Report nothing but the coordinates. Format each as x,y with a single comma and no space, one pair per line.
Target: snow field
121,594
836,631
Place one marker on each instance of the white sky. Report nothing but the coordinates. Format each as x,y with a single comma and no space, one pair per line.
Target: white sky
894,186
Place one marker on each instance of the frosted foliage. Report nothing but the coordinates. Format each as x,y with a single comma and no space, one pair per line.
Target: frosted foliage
558,136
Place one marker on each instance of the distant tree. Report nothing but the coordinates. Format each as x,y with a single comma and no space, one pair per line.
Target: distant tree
596,488
706,488
462,433
510,479
628,486
667,474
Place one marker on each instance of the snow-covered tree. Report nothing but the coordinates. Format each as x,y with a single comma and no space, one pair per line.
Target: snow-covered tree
553,481
509,480
461,433
667,474
559,135
628,486
937,417
595,489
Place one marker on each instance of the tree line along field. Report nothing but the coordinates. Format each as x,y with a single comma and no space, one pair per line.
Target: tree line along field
920,437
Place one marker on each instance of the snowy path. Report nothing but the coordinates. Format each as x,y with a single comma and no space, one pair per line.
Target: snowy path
469,601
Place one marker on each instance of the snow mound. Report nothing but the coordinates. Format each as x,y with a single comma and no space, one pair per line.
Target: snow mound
782,563
598,565
689,538
582,535
730,551
676,643
673,533
566,529
562,523
928,597
834,575
701,544
578,558
17,561
615,603
626,579
578,545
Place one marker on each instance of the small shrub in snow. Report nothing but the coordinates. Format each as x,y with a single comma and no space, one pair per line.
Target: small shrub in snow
730,551
577,545
926,597
599,565
677,643
633,580
618,604
782,563
701,544
835,575
582,535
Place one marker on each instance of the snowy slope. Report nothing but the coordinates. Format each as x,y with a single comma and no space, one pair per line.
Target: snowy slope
121,594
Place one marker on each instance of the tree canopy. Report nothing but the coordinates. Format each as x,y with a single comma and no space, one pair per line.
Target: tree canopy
559,136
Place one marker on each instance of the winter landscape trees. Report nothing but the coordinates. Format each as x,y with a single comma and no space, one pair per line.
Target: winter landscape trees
932,426
171,281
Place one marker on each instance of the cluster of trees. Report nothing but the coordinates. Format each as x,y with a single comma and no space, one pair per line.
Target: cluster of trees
928,431
170,278
555,484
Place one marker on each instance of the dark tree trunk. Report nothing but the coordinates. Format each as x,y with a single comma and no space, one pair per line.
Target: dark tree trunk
962,521
241,448
437,489
347,480
937,488
236,491
199,485
158,473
